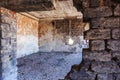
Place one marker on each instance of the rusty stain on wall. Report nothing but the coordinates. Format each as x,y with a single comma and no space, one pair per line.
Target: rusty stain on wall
26,25
27,35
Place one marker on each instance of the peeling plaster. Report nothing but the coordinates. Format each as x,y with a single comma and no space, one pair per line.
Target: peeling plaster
52,40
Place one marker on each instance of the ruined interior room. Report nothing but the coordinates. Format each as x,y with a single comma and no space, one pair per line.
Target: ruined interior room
59,39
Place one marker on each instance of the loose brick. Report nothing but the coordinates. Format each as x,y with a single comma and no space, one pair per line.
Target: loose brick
113,45
105,67
117,10
98,34
97,55
116,33
105,22
97,12
97,45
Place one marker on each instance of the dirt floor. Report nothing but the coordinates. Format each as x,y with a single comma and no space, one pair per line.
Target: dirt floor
47,66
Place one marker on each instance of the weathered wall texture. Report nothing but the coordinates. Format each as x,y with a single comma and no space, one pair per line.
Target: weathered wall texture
53,36
102,60
8,61
27,35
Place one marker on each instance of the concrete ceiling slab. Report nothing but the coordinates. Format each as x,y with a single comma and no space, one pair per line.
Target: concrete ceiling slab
63,9
28,5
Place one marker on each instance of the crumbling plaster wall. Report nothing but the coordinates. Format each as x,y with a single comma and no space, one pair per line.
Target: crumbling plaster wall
54,35
48,36
27,36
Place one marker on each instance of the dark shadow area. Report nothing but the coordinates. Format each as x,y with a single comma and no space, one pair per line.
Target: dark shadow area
27,5
116,1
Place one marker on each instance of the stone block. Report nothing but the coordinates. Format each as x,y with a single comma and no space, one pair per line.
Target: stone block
116,33
97,34
97,55
105,22
117,10
97,12
105,67
6,34
5,27
113,45
97,45
5,42
105,77
5,45
83,75
116,56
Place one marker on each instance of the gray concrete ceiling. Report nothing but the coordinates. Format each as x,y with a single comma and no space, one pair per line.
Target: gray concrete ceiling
27,5
63,9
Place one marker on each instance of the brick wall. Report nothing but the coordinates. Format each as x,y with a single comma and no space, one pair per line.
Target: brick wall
8,62
101,61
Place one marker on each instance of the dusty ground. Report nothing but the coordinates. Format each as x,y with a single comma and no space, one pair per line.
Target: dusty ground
47,66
